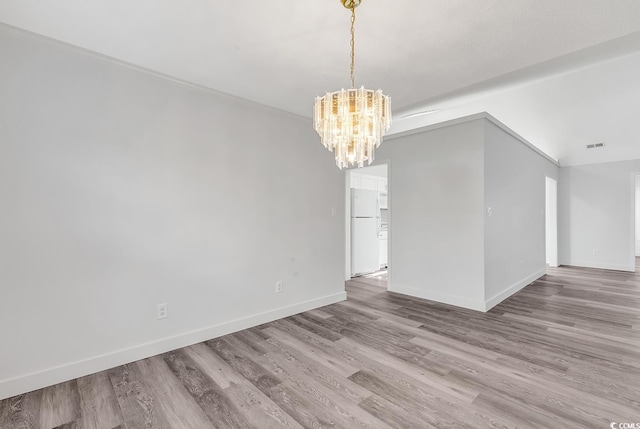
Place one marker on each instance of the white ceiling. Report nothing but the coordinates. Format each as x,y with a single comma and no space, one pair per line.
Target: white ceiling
560,106
283,53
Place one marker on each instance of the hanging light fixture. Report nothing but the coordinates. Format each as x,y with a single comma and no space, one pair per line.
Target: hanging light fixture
351,122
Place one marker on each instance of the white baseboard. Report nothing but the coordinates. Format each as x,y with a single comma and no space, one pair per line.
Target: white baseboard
600,265
501,296
471,304
37,380
458,301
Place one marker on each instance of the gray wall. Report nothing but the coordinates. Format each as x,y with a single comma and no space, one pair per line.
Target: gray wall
514,246
596,215
436,205
442,179
120,190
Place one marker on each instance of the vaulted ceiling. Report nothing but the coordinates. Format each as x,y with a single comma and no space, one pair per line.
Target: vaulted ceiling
546,68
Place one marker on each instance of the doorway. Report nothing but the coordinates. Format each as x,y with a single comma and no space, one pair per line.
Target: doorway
367,227
637,215
551,221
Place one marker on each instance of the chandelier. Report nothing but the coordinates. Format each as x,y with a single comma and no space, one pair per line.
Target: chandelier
351,122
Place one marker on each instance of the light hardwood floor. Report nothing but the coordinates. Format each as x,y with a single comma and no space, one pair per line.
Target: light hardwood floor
562,353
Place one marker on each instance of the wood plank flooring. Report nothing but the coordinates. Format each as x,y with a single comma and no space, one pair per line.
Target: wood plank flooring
562,353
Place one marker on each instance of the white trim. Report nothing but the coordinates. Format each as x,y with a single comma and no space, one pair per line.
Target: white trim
471,304
551,221
59,374
501,296
347,225
600,265
475,117
458,301
633,244
389,163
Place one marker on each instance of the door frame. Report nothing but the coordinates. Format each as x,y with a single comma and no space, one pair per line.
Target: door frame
347,220
633,221
551,221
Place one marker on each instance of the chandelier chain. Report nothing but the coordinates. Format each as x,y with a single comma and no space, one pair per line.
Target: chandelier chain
353,45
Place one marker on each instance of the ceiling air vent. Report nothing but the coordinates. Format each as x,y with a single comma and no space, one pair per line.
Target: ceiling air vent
595,145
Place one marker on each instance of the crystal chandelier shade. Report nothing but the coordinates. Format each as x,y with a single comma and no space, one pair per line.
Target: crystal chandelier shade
352,122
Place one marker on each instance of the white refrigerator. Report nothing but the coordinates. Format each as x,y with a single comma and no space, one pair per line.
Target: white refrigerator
365,225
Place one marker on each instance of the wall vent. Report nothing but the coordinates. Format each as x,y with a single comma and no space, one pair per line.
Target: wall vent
595,145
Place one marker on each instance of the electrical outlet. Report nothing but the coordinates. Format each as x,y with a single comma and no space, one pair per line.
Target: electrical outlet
489,211
162,311
279,286
596,252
